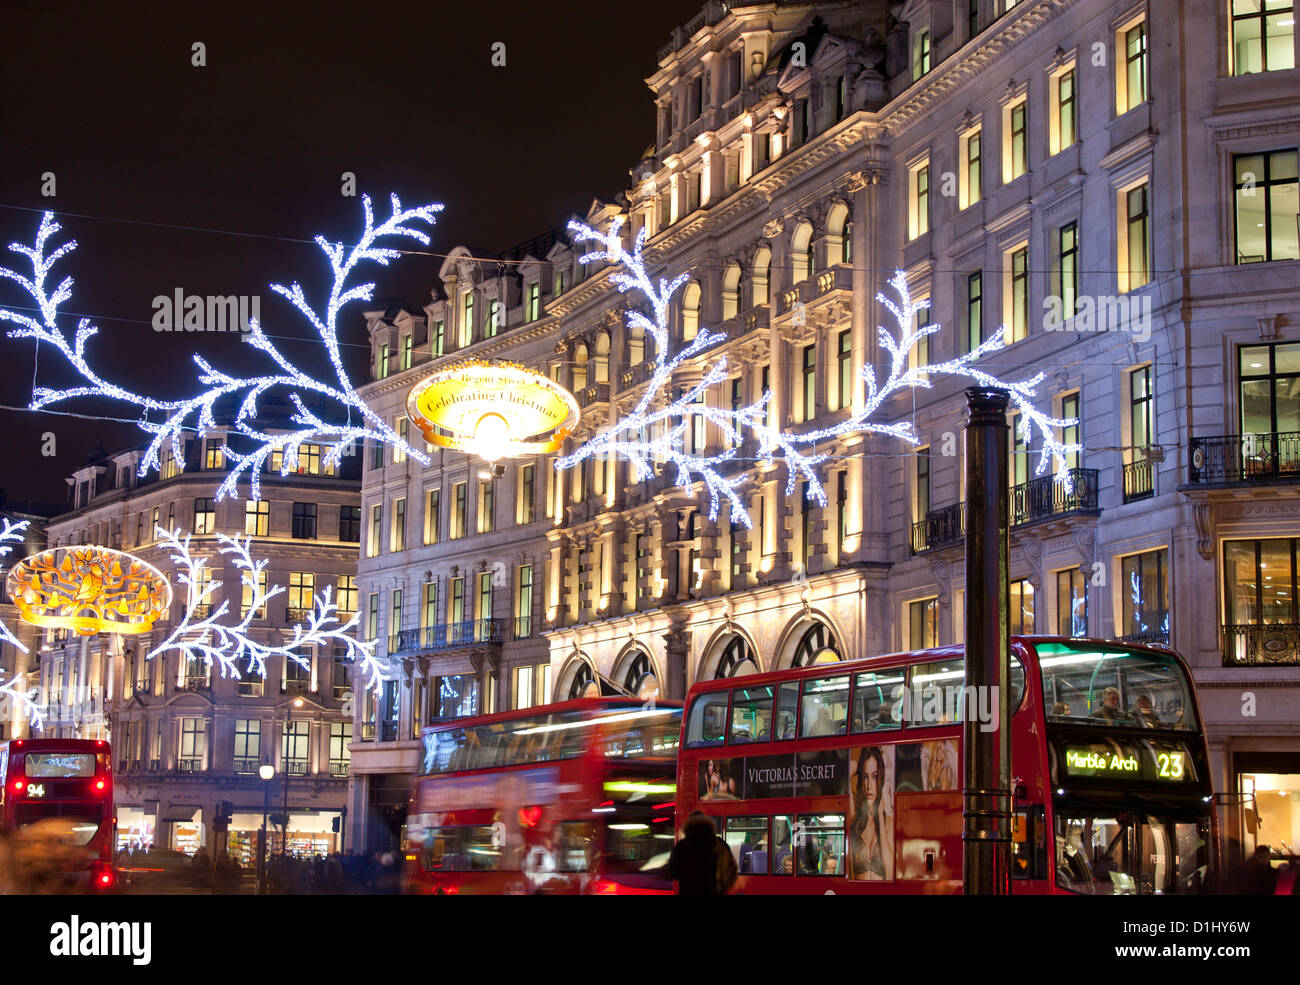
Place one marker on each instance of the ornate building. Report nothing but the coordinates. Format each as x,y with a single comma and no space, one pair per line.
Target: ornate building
184,737
1118,190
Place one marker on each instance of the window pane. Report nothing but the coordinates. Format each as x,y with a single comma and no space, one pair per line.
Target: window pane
751,714
747,839
708,720
825,706
787,703
820,845
874,696
1275,581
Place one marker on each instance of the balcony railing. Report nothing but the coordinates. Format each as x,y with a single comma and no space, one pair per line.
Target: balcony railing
1160,636
1155,628
1036,499
339,767
523,627
292,616
447,636
367,731
250,689
1278,643
247,765
1245,458
1139,480
636,375
294,767
195,684
189,765
155,765
294,686
597,393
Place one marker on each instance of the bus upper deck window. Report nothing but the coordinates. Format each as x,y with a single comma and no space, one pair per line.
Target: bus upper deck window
787,709
825,706
874,700
751,714
707,725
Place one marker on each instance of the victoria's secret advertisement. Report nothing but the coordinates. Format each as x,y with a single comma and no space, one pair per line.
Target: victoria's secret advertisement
822,773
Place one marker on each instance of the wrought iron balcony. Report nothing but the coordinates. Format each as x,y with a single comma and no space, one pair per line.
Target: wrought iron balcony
447,636
1139,480
294,767
339,767
1228,458
1160,636
1251,644
247,765
196,683
189,765
523,627
1037,499
1153,628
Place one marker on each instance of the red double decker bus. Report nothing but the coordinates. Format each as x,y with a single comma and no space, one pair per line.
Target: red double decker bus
569,798
846,777
63,787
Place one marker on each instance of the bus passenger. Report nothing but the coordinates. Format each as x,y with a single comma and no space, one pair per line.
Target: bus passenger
1109,708
1144,713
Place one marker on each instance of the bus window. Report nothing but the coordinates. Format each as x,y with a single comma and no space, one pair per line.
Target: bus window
819,844
874,696
708,721
577,846
937,690
1135,689
782,855
1029,858
464,849
787,709
747,839
751,714
825,706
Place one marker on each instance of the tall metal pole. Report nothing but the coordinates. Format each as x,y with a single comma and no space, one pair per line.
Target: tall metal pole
261,841
986,774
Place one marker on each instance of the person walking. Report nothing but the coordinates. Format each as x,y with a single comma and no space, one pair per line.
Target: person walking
697,862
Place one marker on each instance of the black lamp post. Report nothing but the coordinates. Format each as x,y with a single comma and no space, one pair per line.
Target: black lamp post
266,771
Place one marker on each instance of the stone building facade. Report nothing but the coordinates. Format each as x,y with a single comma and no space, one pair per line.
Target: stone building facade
185,738
1115,185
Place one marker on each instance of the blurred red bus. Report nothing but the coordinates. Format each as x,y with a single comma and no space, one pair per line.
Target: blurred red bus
574,797
846,777
69,780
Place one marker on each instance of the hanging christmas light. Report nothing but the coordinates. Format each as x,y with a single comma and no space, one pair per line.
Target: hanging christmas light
12,533
88,589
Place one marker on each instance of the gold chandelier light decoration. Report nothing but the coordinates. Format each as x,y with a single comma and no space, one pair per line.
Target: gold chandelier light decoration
493,409
89,590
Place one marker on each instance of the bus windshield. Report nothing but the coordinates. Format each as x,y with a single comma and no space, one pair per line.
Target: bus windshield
1089,685
1126,854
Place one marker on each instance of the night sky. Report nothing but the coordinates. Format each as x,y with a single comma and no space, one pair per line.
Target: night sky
251,148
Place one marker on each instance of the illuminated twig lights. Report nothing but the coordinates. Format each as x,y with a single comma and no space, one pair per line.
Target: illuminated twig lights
12,533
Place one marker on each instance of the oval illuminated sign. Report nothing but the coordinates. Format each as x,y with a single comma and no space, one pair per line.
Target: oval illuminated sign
493,409
88,590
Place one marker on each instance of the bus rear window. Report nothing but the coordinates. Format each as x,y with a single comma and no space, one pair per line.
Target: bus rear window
59,765
707,725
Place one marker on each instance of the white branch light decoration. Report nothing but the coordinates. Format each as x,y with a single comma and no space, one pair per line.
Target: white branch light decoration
25,698
626,438
196,413
217,643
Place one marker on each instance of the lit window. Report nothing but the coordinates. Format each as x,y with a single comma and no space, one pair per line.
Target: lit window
1263,36
1131,70
1267,206
918,212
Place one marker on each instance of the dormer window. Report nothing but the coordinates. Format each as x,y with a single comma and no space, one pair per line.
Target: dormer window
533,304
467,319
921,55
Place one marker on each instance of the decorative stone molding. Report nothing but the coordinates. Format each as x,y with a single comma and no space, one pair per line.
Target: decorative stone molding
942,571
773,228
1204,515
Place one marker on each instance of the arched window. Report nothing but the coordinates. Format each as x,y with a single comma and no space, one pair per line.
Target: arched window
640,678
801,252
584,683
737,659
635,345
817,646
731,291
838,229
580,368
690,311
601,367
763,276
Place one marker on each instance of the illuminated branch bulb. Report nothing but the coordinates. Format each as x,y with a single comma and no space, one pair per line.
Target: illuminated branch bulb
25,698
351,419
